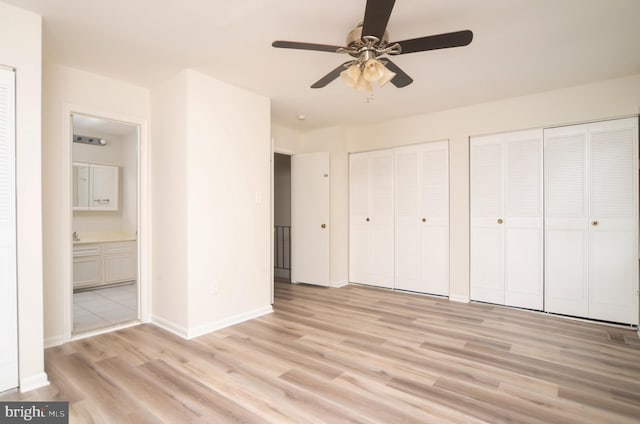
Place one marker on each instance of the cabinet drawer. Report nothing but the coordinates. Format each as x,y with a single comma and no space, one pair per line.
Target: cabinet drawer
119,248
86,250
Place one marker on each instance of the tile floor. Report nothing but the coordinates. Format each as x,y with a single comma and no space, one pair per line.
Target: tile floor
104,307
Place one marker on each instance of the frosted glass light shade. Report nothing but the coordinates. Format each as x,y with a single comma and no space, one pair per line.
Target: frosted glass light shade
351,75
386,77
373,70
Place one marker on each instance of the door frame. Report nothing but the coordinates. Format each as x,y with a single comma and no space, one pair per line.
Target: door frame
143,214
290,153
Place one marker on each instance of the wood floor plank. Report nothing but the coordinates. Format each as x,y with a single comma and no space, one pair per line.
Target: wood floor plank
355,354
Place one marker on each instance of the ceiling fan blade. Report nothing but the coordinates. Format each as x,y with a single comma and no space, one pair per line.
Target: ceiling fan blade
322,82
305,46
401,79
434,42
376,17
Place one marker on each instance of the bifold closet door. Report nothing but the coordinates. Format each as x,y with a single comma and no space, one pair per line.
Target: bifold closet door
371,223
591,220
506,219
422,218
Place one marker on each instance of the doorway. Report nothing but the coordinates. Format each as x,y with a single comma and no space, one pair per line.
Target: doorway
282,217
105,179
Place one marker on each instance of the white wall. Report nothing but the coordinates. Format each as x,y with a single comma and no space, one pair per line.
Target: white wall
606,99
65,87
211,166
169,176
20,48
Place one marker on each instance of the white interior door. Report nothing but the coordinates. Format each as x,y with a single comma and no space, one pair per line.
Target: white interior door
565,220
487,218
358,218
613,221
310,218
8,278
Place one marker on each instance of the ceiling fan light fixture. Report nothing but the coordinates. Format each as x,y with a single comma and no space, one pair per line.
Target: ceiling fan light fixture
386,77
373,70
363,85
352,75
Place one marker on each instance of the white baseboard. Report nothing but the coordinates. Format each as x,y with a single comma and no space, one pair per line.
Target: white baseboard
34,382
227,322
338,284
53,341
188,334
171,327
459,298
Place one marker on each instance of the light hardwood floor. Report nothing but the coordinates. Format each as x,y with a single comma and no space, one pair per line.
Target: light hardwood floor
355,354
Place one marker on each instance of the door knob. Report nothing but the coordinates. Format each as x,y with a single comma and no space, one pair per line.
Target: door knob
424,219
324,225
500,221
595,223
367,219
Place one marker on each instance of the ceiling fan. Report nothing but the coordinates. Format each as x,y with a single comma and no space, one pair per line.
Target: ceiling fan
369,46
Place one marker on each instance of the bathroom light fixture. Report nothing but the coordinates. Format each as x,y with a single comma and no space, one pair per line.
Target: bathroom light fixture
94,141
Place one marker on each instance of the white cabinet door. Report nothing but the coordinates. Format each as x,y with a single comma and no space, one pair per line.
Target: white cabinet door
506,219
422,218
8,276
104,187
591,220
95,187
487,212
310,218
119,262
371,240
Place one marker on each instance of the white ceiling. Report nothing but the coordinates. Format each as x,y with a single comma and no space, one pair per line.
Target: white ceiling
99,127
519,47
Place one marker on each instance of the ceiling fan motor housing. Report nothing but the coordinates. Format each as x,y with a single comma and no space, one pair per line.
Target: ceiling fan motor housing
355,40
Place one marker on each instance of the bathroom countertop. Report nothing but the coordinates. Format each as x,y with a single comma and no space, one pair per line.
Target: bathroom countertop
104,237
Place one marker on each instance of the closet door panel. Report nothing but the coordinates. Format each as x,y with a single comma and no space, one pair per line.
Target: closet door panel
422,218
613,258
371,218
435,260
523,265
566,270
434,193
381,224
523,219
358,210
566,228
487,270
408,229
487,231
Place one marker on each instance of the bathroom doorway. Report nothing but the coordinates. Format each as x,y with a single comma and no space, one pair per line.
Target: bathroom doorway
106,289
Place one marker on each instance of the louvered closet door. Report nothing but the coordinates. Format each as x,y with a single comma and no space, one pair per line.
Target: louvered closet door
358,214
422,218
487,212
523,244
371,222
565,220
506,219
8,278
381,222
613,221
